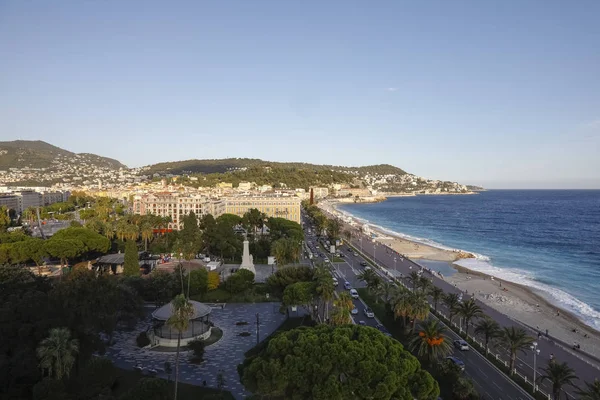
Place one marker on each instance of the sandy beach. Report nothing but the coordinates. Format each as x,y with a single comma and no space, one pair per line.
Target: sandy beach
522,304
416,250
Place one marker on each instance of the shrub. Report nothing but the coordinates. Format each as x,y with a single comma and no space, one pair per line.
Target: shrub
197,346
217,295
142,339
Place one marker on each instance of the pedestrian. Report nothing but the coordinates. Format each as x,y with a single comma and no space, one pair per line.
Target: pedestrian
546,332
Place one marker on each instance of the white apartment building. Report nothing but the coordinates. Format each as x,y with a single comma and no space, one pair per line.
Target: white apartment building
28,199
172,205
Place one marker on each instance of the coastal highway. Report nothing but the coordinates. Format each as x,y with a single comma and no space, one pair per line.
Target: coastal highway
586,370
489,382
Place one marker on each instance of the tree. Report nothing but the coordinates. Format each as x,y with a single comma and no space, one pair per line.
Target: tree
469,310
419,308
300,294
198,282
147,233
413,279
213,280
515,339
436,294
371,278
424,284
489,329
286,276
182,311
97,377
325,289
591,391
451,301
131,267
57,353
336,363
240,281
333,229
431,341
4,219
559,374
64,249
402,305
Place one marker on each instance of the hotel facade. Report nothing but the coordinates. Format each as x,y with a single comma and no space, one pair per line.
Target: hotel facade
176,206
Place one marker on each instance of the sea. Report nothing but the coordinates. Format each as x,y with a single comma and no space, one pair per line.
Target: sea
548,240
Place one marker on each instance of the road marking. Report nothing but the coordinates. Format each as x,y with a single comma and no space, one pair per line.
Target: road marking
495,384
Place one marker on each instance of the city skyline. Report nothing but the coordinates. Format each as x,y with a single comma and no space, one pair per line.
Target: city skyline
499,97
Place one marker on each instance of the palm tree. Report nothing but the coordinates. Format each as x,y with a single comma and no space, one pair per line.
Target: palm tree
402,305
333,229
147,233
424,284
348,235
469,310
436,294
419,308
489,329
182,312
280,251
413,278
591,392
560,374
370,277
431,341
57,352
515,339
325,288
386,290
451,301
108,230
343,305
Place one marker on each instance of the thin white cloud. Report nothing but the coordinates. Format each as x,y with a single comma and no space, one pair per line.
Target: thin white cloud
592,125
391,89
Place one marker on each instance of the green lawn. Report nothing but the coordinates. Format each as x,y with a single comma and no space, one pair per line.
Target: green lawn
127,379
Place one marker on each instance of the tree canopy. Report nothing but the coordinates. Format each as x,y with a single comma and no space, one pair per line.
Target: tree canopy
324,362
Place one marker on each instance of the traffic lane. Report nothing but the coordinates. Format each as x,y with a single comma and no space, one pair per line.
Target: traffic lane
489,382
525,361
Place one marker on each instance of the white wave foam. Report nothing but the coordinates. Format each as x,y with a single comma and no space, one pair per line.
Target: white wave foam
556,296
482,263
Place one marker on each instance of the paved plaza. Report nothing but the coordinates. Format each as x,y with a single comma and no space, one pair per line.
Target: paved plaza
224,355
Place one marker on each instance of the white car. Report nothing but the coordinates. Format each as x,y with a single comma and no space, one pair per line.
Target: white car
354,293
354,311
335,282
461,345
369,313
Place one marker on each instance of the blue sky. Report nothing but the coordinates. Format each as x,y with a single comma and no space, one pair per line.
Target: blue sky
502,94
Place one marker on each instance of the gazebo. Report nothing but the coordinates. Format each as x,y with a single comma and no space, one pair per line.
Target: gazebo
199,326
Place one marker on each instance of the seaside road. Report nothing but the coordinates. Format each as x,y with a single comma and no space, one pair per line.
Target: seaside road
489,382
585,370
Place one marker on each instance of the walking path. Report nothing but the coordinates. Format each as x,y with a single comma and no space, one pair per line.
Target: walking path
225,355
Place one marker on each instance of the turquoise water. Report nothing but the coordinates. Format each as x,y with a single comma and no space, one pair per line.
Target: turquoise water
546,239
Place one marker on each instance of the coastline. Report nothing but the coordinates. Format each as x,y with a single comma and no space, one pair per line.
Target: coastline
522,303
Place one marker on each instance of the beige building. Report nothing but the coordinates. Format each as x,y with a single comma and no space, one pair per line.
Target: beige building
176,205
319,192
271,206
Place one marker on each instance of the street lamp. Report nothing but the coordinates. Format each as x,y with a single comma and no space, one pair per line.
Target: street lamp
536,351
395,265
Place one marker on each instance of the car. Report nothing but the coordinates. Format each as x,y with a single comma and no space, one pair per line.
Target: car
349,249
354,293
355,254
364,263
326,260
335,282
337,254
363,323
341,255
456,361
380,327
369,313
461,344
347,285
354,311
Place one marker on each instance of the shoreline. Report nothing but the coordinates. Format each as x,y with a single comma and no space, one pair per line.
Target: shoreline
519,302
527,306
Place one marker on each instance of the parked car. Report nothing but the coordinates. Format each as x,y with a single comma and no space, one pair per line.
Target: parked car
354,293
369,313
456,361
354,311
461,344
335,282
